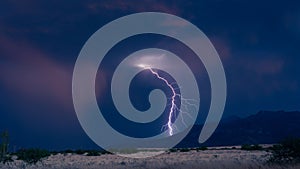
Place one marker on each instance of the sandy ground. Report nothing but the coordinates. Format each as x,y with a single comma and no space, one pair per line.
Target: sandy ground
216,159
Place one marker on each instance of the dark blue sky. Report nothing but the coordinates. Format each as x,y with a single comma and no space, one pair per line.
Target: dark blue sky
258,42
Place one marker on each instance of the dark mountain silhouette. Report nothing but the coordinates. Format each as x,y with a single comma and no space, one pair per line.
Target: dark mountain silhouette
265,127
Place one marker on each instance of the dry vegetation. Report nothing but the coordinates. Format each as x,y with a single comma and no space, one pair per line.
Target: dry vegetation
285,155
206,159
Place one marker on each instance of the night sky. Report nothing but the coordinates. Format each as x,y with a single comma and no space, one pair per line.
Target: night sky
258,43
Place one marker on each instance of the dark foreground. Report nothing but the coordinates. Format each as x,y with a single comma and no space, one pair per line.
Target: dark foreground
209,159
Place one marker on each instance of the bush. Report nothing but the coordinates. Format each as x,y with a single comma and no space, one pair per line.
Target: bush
32,155
6,159
173,150
4,156
68,151
251,147
4,145
93,153
201,148
54,152
288,151
184,150
79,152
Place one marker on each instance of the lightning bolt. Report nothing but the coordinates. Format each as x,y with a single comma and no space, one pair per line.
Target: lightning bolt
173,105
174,108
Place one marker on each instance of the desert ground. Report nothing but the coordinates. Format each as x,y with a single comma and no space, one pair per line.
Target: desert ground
208,159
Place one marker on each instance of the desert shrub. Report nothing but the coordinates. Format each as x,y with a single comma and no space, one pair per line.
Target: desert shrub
54,152
201,148
173,150
79,152
32,155
184,150
288,151
4,145
251,147
4,155
246,147
105,152
68,151
6,159
93,153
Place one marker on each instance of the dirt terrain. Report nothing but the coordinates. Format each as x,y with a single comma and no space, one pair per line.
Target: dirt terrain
215,159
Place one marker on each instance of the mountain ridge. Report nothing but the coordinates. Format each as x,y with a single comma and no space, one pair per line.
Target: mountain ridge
265,127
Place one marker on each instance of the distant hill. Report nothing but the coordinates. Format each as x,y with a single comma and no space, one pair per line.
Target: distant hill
265,127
